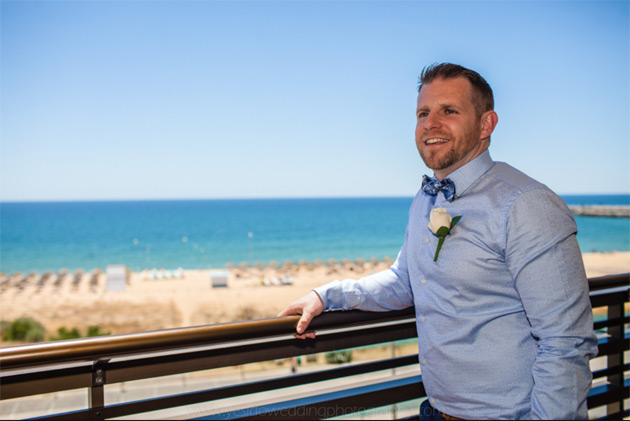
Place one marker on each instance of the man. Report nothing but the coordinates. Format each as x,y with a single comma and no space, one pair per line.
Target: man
505,326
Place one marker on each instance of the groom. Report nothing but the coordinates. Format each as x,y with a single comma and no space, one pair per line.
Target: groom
505,326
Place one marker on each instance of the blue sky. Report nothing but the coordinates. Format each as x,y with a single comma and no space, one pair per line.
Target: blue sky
218,99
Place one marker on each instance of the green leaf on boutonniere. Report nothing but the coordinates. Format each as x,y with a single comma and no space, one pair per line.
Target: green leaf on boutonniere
442,232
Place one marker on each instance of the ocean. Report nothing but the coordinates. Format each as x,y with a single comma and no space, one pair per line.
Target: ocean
192,234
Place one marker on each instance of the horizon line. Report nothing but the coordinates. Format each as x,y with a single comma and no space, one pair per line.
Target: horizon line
171,199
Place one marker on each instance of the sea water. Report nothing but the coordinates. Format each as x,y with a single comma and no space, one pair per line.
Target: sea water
41,236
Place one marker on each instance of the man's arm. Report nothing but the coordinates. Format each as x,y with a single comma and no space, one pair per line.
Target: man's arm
545,261
386,290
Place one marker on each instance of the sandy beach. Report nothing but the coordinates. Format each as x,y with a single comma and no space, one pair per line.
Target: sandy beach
161,299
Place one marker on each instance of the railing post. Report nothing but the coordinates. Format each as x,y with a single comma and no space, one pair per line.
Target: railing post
615,332
96,395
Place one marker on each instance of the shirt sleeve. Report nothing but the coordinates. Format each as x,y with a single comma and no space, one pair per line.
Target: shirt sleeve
544,259
383,291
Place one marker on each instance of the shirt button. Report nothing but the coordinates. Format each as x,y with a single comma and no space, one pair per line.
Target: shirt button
426,240
424,281
424,362
423,319
432,401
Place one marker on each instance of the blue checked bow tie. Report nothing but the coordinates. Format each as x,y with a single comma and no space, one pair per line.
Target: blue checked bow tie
432,186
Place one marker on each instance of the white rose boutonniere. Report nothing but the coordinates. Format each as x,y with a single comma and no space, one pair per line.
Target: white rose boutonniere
440,224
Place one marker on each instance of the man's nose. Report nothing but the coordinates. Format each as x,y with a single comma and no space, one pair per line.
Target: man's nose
431,121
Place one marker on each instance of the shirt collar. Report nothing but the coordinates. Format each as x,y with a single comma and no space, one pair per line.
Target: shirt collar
466,176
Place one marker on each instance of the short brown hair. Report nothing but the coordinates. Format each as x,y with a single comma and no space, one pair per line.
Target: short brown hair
482,92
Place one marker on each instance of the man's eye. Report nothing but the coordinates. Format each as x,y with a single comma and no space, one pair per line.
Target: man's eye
422,114
449,111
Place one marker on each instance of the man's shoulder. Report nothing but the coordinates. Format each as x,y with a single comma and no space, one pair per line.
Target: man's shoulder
517,190
506,177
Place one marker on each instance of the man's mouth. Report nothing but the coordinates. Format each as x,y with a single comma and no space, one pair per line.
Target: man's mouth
435,140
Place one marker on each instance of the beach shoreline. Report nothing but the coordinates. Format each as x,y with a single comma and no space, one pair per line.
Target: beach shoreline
155,300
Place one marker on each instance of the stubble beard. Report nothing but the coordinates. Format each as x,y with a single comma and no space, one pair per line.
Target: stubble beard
440,163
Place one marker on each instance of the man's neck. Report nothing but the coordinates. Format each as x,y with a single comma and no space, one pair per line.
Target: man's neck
445,172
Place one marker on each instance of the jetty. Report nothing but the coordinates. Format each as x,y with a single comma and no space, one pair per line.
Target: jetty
618,211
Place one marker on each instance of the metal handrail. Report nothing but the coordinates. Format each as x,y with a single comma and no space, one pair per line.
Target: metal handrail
609,281
95,348
95,362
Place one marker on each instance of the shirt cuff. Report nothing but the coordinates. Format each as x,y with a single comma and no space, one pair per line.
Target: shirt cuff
331,295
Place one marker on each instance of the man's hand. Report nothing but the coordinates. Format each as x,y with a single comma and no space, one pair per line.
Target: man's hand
309,306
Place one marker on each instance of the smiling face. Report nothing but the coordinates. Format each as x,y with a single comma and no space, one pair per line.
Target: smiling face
449,130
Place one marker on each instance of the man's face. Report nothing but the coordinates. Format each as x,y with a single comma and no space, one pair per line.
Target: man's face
448,129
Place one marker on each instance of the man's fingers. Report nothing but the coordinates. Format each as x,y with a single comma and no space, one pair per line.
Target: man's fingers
292,309
303,323
309,335
308,307
285,312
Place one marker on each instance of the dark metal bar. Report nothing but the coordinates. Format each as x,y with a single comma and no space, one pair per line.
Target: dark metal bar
18,385
609,281
224,357
126,344
96,391
606,395
165,402
608,346
605,372
142,342
617,416
617,321
609,299
118,371
330,405
96,400
616,359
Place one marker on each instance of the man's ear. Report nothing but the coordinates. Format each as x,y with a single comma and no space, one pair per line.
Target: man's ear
489,121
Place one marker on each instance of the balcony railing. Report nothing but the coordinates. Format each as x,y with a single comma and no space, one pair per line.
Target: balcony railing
93,364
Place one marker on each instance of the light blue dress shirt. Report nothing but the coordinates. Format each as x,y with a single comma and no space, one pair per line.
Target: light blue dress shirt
505,325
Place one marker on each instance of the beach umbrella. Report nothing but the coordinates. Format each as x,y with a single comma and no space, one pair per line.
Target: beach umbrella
43,279
94,278
60,277
78,274
5,282
25,281
14,278
19,281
